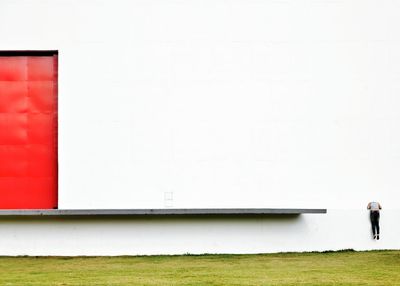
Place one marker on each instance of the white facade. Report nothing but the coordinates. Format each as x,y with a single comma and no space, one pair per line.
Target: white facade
212,104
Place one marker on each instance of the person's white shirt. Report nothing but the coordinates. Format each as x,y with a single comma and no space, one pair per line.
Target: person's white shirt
374,206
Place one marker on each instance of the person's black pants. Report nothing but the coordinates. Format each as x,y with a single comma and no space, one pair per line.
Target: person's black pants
374,215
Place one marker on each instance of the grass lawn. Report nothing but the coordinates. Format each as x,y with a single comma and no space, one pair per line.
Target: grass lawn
335,268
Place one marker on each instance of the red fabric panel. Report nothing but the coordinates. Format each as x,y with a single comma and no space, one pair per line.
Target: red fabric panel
28,132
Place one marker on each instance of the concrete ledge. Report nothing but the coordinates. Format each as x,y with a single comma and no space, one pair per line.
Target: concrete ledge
159,212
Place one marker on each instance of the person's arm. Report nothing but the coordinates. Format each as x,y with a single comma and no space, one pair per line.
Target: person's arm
369,206
380,207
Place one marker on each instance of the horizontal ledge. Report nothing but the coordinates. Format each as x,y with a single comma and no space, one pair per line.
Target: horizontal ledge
159,212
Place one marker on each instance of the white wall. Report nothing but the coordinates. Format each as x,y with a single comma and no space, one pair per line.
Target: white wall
224,103
338,230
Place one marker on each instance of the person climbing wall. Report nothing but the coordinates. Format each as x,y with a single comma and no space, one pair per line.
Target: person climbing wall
374,208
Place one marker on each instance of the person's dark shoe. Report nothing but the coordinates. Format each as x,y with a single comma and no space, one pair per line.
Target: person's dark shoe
374,236
377,237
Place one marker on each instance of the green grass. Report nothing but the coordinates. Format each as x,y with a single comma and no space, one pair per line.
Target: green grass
333,268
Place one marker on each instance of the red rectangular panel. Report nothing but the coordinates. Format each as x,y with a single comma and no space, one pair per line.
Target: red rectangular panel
28,132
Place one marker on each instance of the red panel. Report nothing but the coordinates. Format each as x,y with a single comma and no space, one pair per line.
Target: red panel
28,132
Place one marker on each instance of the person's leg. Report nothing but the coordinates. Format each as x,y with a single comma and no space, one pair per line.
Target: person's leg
377,225
372,224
